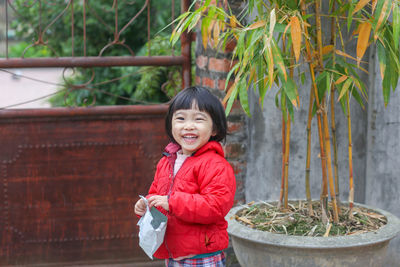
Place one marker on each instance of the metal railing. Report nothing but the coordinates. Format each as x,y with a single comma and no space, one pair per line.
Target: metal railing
43,34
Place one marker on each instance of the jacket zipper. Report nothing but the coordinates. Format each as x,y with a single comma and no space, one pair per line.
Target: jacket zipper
172,178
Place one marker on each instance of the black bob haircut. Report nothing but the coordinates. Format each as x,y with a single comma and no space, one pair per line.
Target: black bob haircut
205,101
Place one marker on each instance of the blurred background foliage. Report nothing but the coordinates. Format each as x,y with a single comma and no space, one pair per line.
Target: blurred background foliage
101,85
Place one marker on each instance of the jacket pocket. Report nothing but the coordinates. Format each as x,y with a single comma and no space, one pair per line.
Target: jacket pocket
210,241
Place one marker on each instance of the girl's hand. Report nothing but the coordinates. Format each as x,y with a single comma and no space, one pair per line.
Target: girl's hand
159,201
140,207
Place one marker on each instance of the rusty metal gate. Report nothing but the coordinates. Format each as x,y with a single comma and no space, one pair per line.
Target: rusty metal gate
69,176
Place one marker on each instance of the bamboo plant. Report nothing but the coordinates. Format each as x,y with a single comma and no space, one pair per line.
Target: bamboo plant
284,36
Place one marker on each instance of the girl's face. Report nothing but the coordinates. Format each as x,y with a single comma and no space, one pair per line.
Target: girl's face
191,128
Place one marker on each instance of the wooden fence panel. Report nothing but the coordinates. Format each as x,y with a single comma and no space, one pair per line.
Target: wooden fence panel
69,178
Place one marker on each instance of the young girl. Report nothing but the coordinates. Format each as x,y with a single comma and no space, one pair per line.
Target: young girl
194,185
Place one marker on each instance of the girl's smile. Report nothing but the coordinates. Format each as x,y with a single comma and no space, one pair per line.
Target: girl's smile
191,128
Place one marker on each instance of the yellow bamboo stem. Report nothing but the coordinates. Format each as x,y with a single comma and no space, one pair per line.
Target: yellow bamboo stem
351,184
334,143
287,143
308,158
329,165
327,144
324,190
319,32
283,163
333,121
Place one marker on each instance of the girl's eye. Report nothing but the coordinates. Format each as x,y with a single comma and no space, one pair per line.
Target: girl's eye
179,118
199,119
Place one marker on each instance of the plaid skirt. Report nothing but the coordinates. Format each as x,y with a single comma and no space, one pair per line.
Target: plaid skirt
212,261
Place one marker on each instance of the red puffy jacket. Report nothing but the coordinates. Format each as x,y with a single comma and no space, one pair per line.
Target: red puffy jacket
200,196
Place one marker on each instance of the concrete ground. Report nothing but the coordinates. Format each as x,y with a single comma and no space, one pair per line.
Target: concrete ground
28,85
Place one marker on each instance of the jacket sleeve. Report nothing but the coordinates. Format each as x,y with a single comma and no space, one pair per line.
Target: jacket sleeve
154,188
215,199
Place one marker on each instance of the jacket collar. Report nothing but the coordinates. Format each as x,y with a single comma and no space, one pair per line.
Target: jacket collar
173,148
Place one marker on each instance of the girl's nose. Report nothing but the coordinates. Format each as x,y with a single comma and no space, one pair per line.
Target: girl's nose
189,125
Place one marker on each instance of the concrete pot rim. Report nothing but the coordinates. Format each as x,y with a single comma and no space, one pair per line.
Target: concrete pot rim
383,234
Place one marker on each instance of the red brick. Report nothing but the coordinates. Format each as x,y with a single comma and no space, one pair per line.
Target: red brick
201,62
208,82
220,65
198,80
237,167
234,150
234,126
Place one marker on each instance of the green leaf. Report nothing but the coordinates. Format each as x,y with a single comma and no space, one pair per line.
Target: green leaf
290,89
345,87
321,81
358,98
243,96
283,105
350,16
228,77
381,14
396,25
232,99
278,60
394,74
381,58
386,87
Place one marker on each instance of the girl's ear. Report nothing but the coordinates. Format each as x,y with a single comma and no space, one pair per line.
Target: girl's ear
214,132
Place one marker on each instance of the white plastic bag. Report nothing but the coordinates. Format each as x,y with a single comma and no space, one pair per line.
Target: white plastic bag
152,229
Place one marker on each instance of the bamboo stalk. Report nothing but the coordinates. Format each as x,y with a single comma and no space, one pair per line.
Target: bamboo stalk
351,182
308,158
329,165
324,114
324,191
334,143
333,121
283,163
287,144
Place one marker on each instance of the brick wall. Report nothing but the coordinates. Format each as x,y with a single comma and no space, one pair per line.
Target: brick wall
212,68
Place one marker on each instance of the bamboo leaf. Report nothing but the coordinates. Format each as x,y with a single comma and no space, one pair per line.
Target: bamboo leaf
361,4
327,49
322,84
358,98
394,74
386,87
204,31
383,9
296,36
243,96
232,99
341,79
341,53
229,93
272,21
276,53
216,32
363,39
270,63
374,2
289,87
262,88
381,58
258,24
345,88
396,25
350,17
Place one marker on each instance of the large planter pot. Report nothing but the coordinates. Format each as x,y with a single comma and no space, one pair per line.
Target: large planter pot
254,248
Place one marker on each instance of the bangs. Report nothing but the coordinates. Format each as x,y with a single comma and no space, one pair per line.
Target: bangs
196,100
